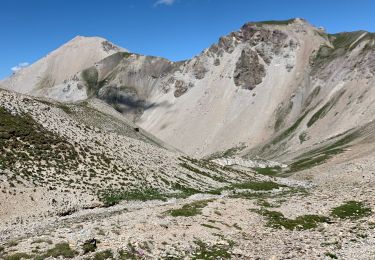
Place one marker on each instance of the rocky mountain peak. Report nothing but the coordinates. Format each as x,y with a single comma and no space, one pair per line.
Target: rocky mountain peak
61,65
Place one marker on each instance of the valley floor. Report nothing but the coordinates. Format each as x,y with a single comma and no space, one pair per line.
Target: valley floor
332,220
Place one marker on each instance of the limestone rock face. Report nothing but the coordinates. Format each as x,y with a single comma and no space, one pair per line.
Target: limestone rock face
248,72
181,87
199,70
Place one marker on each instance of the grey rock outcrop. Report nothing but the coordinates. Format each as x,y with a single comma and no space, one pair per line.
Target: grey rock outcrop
181,87
249,72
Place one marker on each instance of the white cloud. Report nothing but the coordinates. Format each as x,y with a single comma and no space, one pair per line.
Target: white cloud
164,2
20,66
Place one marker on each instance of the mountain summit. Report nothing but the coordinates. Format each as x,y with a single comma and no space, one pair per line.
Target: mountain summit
60,65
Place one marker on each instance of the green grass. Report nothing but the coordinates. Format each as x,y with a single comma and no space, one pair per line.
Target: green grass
185,191
276,22
209,226
331,255
268,171
310,98
124,255
22,139
320,155
283,135
277,143
231,152
88,247
264,195
264,203
351,210
346,39
342,44
323,111
189,210
113,197
205,251
60,250
18,127
277,220
281,114
106,254
18,256
41,240
198,171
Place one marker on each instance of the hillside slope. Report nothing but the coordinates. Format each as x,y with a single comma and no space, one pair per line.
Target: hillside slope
53,161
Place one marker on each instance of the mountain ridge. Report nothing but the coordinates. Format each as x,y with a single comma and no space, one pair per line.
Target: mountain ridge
146,89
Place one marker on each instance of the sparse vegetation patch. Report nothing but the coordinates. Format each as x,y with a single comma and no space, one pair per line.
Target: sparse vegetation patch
277,220
205,251
269,171
189,210
320,155
351,210
62,250
113,197
106,254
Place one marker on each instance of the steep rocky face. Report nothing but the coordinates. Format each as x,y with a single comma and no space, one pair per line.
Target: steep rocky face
248,72
249,75
126,81
337,102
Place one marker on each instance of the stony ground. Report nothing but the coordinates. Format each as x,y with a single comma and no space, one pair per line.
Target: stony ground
237,224
53,161
197,209
163,205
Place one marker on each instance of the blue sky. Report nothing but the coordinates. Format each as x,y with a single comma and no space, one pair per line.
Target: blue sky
174,29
